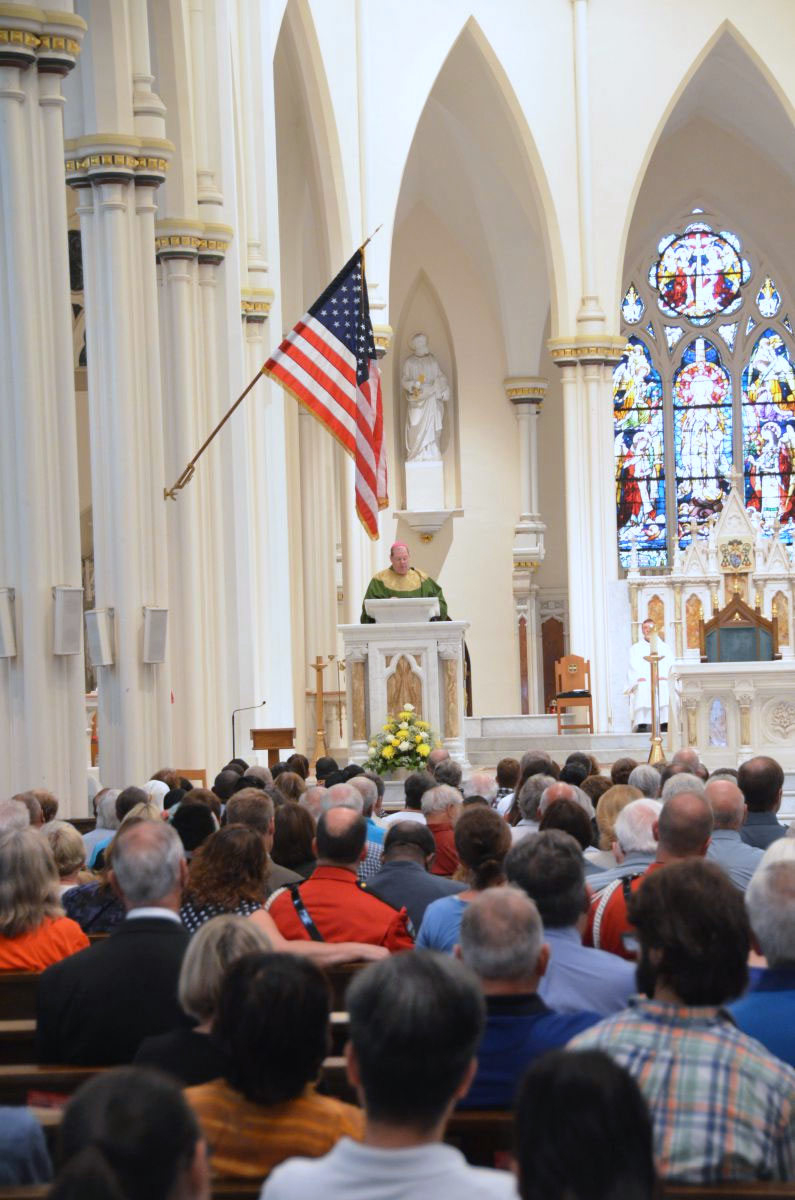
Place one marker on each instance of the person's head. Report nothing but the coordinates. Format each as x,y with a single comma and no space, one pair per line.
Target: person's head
399,558
35,815
636,827
482,839
537,762
574,773
646,779
291,785
502,940
415,786
253,808
340,837
127,799
587,1091
293,836
530,793
549,867
694,934
106,809
157,791
570,818
770,902
507,772
380,784
130,1134
272,1025
48,802
68,848
441,802
148,865
610,805
480,784
368,792
168,776
343,795
28,882
173,799
578,758
409,841
761,781
194,822
684,826
595,787
299,764
13,816
724,773
437,755
324,767
621,770
312,801
201,795
415,1024
225,783
727,803
232,865
647,629
565,791
689,758
448,772
212,949
145,811
681,782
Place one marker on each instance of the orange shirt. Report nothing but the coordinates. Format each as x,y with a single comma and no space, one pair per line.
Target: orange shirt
342,910
249,1140
48,943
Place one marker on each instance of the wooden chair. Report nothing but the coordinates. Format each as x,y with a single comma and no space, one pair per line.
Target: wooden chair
194,774
573,690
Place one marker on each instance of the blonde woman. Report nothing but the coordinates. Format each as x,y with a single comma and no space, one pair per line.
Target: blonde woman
69,852
34,933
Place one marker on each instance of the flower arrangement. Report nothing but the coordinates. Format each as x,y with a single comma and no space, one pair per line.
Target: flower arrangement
405,741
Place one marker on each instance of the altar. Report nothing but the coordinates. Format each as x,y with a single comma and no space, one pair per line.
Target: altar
729,710
405,658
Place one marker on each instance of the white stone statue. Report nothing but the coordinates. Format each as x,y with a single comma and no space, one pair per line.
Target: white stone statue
427,392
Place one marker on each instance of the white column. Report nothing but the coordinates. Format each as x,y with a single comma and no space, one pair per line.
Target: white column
318,541
590,315
41,694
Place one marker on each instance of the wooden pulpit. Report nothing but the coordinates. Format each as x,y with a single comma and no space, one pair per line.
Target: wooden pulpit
273,740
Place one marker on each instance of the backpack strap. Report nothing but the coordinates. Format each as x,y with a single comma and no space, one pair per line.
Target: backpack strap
303,915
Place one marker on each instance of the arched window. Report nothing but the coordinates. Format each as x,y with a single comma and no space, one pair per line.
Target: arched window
706,383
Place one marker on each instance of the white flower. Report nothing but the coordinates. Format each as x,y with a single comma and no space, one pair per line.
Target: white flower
403,725
404,746
373,752
408,708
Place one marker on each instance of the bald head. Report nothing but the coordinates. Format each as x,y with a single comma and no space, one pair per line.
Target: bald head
342,795
341,837
565,791
688,758
727,803
436,756
684,827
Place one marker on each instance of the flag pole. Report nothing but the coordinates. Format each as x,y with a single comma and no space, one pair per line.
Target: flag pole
187,474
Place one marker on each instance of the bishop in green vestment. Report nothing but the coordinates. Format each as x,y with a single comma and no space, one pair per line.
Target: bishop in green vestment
400,579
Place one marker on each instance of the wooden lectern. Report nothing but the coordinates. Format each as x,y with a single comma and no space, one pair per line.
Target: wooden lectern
273,740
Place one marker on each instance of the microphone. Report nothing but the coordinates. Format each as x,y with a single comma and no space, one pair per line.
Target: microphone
235,711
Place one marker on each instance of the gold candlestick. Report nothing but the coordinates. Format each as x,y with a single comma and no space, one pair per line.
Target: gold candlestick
319,667
656,752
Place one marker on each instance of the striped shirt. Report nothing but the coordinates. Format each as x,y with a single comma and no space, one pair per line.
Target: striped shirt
723,1108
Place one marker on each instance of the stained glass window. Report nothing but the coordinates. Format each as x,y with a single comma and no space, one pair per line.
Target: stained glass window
768,394
723,395
673,335
632,307
699,273
702,398
768,300
639,460
728,333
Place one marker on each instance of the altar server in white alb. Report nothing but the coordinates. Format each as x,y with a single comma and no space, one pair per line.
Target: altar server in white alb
639,678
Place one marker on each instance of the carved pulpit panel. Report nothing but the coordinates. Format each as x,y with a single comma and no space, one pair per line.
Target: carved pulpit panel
403,686
656,613
781,613
694,612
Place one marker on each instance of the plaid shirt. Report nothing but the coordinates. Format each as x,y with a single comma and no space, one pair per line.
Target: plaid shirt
723,1108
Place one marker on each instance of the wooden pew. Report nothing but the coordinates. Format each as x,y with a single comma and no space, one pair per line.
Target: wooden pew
339,977
17,1041
18,995
25,1083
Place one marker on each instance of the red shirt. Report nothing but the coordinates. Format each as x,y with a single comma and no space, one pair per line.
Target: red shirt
608,925
342,910
446,861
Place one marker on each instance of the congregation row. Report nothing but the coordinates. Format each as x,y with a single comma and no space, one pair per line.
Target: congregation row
621,945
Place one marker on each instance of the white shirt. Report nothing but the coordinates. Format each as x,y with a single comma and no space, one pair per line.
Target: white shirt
405,814
355,1172
639,680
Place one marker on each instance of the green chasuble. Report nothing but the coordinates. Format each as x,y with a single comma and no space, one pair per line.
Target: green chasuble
388,583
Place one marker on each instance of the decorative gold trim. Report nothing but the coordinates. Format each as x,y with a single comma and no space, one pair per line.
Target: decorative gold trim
525,393
580,349
255,303
524,564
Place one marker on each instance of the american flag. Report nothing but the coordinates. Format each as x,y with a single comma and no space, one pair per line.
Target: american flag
328,364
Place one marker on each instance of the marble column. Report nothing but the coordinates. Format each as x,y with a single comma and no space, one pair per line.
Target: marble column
526,393
42,716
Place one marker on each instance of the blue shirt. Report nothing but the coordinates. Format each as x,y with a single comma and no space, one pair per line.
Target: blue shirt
767,1012
579,977
441,924
635,863
23,1149
518,1030
738,859
761,828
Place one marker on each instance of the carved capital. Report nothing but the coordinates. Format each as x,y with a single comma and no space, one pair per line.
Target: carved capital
255,304
116,158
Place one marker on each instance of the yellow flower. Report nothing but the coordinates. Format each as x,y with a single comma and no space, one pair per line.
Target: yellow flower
388,752
418,738
422,724
403,716
424,750
393,739
386,728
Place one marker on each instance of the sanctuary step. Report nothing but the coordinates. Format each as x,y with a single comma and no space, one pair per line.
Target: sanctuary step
491,738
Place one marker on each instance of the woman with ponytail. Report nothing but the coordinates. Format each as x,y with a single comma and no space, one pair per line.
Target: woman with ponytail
482,839
128,1134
